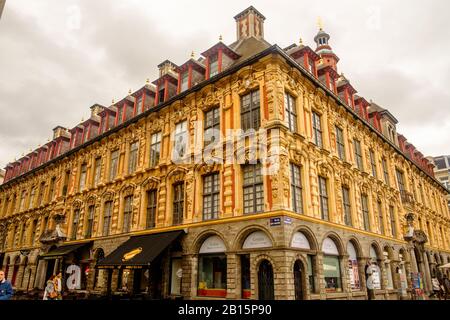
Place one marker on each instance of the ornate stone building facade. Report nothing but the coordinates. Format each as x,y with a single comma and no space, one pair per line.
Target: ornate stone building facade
110,205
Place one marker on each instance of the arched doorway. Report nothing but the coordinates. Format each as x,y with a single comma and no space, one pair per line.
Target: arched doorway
265,281
299,275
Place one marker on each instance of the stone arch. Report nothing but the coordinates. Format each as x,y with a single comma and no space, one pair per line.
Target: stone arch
260,258
198,241
308,234
390,251
357,245
337,241
108,196
91,200
244,233
377,249
404,253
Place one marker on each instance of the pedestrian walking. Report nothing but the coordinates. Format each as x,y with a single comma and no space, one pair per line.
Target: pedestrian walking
50,292
436,288
446,285
6,290
369,285
58,286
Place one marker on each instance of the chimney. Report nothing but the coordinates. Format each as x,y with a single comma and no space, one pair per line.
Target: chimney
96,109
249,23
60,131
166,67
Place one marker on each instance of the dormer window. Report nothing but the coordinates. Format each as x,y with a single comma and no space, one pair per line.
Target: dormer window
184,81
213,66
161,94
311,65
119,115
139,107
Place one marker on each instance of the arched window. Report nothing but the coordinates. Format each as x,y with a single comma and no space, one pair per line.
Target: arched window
331,266
212,268
353,267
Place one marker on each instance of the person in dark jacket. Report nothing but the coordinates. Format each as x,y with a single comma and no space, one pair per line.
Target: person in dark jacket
6,290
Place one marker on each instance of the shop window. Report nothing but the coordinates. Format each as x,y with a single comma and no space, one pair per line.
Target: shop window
353,267
311,273
176,274
374,268
331,266
212,268
245,276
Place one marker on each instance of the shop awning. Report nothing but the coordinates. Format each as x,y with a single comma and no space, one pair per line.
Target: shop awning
62,251
139,251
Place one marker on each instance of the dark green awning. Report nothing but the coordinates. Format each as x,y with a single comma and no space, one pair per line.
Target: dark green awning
62,251
139,251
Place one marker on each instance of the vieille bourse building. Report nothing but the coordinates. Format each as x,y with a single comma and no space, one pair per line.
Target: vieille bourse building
106,204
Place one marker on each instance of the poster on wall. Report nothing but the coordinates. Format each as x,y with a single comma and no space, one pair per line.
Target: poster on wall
354,274
376,277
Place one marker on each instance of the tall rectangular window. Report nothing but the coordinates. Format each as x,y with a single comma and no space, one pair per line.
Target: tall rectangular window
358,154
155,149
253,188
212,126
75,222
33,231
97,171
340,146
365,211
32,196
211,196
181,139
107,214
151,208
22,200
317,129
178,203
127,214
296,189
213,65
347,206
323,198
392,218
114,165
385,170
250,111
380,216
133,157
90,221
400,180
290,115
373,163
51,192
184,81
83,176
66,183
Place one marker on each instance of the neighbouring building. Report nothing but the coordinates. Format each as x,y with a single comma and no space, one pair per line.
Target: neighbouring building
2,175
442,171
164,192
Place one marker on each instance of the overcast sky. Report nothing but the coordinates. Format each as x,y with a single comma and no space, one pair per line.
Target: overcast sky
57,58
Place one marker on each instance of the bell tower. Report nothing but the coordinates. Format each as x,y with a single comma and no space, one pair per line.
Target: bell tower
324,49
249,23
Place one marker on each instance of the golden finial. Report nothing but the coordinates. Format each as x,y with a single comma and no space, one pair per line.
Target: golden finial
147,81
301,41
112,101
192,54
129,91
82,119
48,140
320,23
220,38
